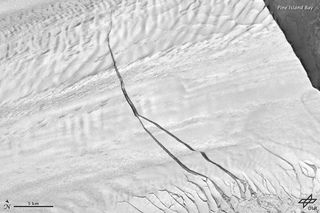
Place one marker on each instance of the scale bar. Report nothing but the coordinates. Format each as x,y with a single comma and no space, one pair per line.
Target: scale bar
33,206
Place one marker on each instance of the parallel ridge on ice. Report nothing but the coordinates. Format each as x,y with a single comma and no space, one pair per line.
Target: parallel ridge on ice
219,74
58,44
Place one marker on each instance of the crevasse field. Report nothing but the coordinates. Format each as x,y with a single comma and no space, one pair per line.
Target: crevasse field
215,112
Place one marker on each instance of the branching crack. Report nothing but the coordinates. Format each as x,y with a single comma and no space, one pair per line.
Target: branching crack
181,164
150,201
190,197
289,163
178,198
131,205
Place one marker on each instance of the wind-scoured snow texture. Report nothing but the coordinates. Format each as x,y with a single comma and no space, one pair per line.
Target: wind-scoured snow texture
57,45
219,75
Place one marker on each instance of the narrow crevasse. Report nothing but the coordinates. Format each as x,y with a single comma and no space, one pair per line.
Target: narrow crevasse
184,106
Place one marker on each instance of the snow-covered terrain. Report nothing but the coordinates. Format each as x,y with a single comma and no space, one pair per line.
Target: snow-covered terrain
233,116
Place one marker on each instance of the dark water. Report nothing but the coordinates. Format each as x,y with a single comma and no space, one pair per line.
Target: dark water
300,22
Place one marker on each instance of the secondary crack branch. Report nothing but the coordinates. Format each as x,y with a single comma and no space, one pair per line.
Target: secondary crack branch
138,116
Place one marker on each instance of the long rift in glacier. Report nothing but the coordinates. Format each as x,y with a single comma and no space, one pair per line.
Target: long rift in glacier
183,166
213,85
143,30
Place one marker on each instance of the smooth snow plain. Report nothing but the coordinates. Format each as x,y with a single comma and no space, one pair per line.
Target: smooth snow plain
218,74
